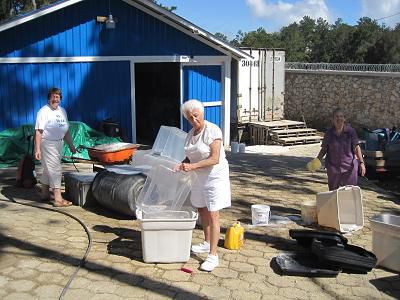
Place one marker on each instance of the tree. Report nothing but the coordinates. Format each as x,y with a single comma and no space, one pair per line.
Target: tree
222,37
294,43
367,32
169,8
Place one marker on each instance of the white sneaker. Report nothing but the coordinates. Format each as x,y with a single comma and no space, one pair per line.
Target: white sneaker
210,263
203,247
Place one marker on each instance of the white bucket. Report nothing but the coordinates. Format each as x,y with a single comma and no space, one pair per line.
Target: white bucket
309,212
234,147
260,214
242,148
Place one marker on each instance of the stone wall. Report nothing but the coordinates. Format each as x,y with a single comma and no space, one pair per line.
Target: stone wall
368,99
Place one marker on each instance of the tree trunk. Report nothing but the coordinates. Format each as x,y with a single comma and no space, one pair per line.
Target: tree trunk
34,4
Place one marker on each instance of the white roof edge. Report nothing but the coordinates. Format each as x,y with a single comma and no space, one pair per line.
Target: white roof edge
237,53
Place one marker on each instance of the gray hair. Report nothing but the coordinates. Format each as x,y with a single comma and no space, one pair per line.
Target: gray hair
336,111
190,105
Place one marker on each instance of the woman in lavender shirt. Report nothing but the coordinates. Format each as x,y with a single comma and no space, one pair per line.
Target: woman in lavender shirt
343,153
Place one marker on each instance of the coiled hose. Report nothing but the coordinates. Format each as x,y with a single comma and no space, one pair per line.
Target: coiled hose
83,260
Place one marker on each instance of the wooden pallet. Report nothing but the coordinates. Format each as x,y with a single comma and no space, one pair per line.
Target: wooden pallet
299,140
279,125
292,132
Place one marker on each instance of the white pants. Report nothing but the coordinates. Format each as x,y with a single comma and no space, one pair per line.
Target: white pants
212,191
51,162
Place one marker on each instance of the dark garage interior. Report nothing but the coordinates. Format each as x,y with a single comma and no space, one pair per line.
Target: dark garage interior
157,93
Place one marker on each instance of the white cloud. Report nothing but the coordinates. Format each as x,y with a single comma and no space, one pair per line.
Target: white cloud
380,9
282,13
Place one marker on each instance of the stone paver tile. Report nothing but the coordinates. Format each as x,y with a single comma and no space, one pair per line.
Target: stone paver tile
176,275
21,285
169,266
309,285
258,261
338,290
244,295
293,293
4,280
125,291
19,296
73,294
189,287
265,288
48,267
281,281
241,267
153,284
225,273
24,273
51,278
185,296
215,292
125,278
49,291
251,253
102,287
30,263
106,296
253,277
205,279
350,280
161,294
234,257
123,267
365,292
80,283
235,284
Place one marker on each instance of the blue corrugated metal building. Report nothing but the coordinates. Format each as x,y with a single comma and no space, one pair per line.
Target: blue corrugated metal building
137,74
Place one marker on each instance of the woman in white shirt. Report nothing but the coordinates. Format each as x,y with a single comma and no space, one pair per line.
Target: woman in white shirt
211,191
50,130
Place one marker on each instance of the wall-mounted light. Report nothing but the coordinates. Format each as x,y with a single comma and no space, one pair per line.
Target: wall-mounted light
110,23
110,20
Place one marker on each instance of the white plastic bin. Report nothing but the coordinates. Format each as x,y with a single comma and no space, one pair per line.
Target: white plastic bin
166,235
386,240
341,209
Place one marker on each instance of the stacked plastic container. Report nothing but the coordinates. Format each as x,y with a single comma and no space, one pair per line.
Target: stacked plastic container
166,222
168,149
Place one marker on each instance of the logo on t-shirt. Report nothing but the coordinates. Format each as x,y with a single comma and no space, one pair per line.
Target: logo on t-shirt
60,120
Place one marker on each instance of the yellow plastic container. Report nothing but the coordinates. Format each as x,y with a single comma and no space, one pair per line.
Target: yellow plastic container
314,165
234,237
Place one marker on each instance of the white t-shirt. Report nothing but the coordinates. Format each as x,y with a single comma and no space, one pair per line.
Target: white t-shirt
197,147
54,123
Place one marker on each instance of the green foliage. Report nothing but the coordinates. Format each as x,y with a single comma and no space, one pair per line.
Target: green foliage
169,8
313,40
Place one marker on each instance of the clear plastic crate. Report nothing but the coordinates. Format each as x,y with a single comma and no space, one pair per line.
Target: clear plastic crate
170,142
164,190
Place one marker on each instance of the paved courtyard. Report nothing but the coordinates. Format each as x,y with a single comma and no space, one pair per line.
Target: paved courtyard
41,249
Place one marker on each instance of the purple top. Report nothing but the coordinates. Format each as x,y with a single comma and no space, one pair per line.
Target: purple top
340,157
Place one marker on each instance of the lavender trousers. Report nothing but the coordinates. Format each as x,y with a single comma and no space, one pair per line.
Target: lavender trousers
336,180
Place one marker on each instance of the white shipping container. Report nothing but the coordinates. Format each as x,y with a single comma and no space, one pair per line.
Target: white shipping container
261,85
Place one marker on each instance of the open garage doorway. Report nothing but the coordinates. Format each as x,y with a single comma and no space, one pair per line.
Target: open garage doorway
157,97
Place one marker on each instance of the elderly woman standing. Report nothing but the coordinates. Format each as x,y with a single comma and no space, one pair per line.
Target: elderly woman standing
343,153
211,191
51,129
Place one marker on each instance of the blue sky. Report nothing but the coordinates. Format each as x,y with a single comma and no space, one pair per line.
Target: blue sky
229,16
